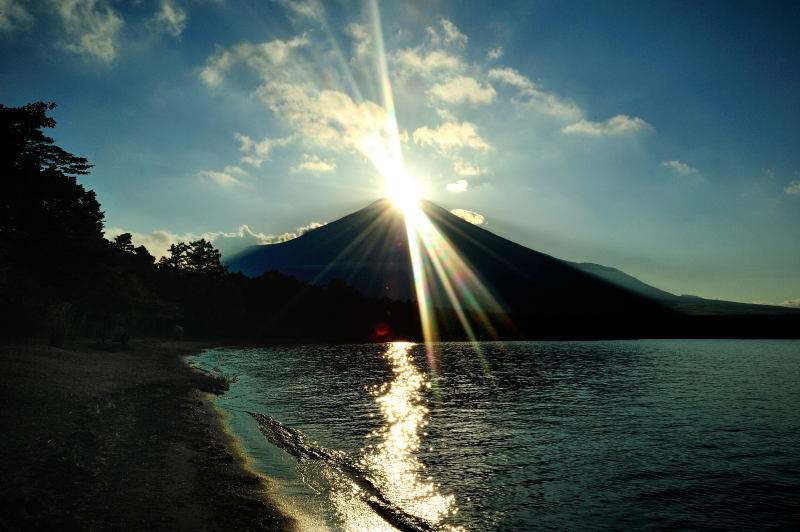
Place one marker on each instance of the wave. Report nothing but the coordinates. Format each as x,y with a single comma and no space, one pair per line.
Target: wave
298,445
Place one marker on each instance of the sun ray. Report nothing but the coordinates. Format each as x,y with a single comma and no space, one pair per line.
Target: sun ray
441,277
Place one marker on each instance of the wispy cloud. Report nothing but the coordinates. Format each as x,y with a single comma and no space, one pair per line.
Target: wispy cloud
225,178
460,185
462,89
13,15
510,76
531,96
618,125
793,188
467,169
261,57
324,117
228,243
170,18
362,39
450,136
91,26
470,216
416,61
794,303
259,151
447,34
680,167
312,163
307,8
495,53
329,118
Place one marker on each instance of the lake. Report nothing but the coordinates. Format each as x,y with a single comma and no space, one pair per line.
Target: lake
650,434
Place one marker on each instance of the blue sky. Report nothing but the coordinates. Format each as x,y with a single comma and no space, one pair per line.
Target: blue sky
656,137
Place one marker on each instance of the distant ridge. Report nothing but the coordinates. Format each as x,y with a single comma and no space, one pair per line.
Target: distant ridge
688,304
544,296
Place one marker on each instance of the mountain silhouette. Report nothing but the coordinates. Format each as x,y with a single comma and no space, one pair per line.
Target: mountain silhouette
542,295
368,249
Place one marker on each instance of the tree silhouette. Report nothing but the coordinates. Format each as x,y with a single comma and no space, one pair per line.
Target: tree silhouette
202,257
50,226
176,260
25,147
124,243
198,256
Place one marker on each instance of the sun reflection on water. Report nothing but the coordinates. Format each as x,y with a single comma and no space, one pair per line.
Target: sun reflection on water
394,456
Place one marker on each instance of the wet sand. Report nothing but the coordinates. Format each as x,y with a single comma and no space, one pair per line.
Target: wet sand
96,439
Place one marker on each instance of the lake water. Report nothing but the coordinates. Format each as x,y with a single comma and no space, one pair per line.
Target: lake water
654,434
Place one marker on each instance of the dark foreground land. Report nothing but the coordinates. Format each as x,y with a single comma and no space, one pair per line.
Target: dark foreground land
99,439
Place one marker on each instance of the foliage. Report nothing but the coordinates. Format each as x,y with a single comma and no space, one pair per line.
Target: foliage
198,256
47,220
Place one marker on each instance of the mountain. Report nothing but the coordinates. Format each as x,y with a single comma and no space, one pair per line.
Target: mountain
542,296
685,304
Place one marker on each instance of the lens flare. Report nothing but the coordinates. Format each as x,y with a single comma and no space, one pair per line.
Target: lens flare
442,278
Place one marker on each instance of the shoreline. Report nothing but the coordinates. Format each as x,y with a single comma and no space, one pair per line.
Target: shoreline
122,438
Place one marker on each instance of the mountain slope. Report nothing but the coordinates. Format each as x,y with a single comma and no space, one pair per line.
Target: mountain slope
369,250
543,296
622,279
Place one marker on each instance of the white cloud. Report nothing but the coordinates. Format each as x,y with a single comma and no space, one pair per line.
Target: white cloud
312,163
361,38
467,169
680,167
261,57
462,89
460,185
495,53
470,216
91,27
308,8
13,15
510,76
531,96
225,178
247,142
449,34
413,60
617,125
794,303
260,149
329,118
170,18
446,115
793,188
228,243
549,104
450,136
156,242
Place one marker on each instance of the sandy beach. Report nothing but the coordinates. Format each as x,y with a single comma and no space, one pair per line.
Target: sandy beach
99,438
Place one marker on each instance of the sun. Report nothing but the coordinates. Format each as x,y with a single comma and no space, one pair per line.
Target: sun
404,191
